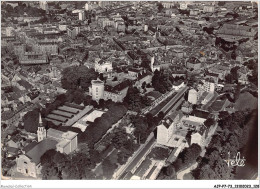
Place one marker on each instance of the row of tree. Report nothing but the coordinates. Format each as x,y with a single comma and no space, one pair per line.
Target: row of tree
124,142
99,127
186,158
231,139
56,165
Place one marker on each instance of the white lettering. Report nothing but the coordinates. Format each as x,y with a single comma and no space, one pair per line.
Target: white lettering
237,161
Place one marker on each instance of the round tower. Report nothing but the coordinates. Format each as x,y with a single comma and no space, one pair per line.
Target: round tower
97,89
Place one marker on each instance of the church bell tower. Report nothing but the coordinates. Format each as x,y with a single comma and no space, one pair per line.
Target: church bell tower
41,132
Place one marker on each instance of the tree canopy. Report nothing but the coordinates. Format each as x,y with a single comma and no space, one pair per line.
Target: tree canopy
61,166
234,135
161,81
31,121
75,77
134,100
209,122
187,156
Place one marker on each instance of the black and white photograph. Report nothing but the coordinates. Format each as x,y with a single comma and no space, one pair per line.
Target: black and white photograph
136,91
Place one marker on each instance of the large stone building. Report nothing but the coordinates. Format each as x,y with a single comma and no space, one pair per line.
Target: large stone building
183,6
88,7
166,131
103,66
19,48
236,32
10,31
199,137
193,63
208,9
43,5
143,77
193,96
29,58
82,15
98,90
72,32
209,85
29,162
180,131
50,48
103,4
168,4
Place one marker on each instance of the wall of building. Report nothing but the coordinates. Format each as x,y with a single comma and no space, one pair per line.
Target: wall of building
97,90
74,144
162,135
194,66
46,48
193,97
147,79
209,87
102,68
25,166
196,139
19,49
209,9
67,148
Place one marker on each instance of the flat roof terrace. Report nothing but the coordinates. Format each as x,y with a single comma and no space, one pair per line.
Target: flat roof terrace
93,115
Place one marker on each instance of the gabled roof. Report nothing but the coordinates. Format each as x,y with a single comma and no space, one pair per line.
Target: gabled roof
169,119
44,80
25,84
143,75
203,129
29,146
37,151
9,114
200,114
118,87
136,70
12,150
55,133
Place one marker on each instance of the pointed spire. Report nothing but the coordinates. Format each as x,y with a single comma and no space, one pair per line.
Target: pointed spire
40,120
